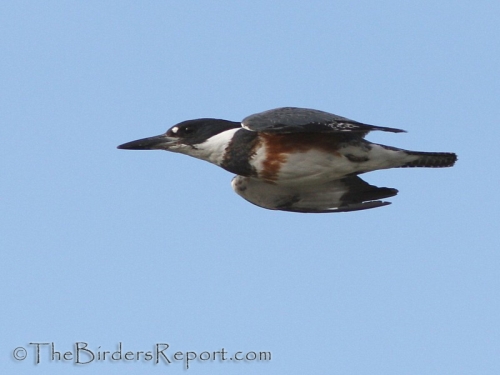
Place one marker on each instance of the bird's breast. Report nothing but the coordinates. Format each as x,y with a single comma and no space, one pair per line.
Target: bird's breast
307,157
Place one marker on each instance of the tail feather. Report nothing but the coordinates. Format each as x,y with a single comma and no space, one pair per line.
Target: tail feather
431,159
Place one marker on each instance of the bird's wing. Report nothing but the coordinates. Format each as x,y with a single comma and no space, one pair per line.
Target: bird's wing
303,120
347,194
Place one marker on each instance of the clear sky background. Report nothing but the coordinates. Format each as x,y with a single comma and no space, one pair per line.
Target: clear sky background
103,246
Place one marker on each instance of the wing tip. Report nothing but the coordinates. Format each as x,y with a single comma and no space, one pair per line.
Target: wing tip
390,130
345,208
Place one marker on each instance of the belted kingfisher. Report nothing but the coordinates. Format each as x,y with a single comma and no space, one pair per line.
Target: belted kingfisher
294,159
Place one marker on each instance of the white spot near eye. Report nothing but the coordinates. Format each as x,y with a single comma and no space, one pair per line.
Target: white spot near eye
175,129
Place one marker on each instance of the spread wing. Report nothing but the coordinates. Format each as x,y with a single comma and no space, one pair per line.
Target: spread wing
303,120
347,194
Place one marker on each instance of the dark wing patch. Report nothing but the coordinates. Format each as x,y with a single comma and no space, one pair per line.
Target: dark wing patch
347,194
304,120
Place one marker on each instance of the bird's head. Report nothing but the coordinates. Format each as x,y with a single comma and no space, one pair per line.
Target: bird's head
185,135
204,138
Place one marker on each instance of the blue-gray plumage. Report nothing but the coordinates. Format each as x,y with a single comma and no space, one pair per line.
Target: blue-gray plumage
298,120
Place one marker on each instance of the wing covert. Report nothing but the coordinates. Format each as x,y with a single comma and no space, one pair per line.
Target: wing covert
304,120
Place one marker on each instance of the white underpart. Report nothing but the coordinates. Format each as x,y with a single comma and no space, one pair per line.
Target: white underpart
257,161
383,158
212,150
317,166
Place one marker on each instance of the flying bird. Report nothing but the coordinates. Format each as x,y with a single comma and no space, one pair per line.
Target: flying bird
295,159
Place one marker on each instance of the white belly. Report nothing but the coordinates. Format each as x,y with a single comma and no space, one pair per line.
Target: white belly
315,166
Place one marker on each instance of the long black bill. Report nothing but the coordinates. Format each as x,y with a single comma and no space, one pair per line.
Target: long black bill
159,142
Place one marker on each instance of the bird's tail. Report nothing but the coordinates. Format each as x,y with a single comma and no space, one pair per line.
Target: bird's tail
431,159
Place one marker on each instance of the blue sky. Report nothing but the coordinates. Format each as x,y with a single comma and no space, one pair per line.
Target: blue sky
104,246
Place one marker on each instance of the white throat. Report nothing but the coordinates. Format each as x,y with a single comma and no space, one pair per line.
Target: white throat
212,150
